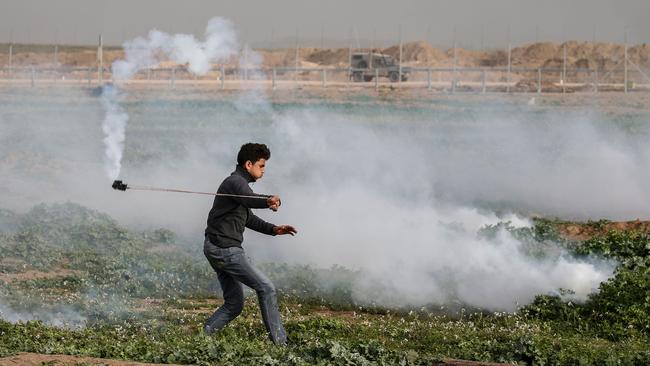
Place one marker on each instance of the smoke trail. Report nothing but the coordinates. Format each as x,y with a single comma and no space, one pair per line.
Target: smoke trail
220,43
114,128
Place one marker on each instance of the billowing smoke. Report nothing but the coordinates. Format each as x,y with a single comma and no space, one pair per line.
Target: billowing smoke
372,203
220,43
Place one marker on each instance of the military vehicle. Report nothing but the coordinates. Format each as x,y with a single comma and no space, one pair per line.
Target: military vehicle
365,66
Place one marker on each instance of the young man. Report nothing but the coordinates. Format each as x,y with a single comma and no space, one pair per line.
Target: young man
230,214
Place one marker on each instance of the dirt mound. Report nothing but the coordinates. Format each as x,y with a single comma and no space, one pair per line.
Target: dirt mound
588,55
586,231
330,57
418,53
535,54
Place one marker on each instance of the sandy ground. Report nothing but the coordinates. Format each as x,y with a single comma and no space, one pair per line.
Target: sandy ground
35,359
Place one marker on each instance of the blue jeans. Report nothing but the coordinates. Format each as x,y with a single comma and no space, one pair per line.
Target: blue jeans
234,269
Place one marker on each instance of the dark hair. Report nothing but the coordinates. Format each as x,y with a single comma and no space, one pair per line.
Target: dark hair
253,152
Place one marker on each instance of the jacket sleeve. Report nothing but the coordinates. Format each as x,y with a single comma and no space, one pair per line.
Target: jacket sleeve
255,223
240,187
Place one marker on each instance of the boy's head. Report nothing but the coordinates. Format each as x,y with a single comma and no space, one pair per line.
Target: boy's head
253,157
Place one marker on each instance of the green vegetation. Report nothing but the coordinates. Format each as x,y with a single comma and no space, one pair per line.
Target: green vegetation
143,296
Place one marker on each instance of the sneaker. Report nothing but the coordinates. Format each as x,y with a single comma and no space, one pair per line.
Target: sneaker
208,330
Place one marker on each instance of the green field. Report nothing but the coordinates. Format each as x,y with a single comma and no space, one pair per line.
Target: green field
144,295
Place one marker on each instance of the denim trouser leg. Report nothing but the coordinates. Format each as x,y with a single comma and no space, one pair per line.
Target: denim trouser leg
233,269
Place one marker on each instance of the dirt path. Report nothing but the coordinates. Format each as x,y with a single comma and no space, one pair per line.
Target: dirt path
36,359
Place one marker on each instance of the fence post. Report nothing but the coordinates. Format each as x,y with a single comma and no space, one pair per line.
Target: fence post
509,65
223,77
625,65
148,74
429,79
596,80
376,77
539,81
324,78
483,85
100,59
88,75
347,84
11,62
274,74
564,69
173,78
32,76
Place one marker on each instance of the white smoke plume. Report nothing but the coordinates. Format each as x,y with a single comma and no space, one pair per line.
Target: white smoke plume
220,43
140,53
114,127
375,209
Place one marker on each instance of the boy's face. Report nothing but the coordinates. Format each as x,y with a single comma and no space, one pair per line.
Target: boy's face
256,170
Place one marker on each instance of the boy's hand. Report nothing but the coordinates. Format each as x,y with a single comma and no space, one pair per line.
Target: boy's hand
285,229
274,202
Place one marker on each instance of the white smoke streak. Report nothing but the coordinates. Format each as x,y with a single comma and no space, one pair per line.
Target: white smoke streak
140,53
114,127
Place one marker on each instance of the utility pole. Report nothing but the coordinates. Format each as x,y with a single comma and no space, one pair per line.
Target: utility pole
509,66
564,68
509,61
297,55
625,62
349,56
453,75
400,53
100,61
56,47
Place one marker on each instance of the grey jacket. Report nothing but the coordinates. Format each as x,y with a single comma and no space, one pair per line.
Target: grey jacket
229,216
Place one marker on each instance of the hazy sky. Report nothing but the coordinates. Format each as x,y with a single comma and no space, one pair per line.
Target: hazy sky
333,22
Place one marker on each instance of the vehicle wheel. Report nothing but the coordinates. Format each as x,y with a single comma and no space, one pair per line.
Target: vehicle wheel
405,77
394,76
368,78
357,76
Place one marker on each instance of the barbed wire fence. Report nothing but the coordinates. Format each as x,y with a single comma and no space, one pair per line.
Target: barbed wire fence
594,73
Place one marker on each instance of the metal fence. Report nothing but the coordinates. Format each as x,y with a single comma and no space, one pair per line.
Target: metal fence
448,80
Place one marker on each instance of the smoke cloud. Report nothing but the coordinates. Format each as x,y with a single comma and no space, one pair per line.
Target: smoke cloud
141,53
59,316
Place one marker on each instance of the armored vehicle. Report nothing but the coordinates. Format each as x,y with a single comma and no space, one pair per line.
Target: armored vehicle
365,66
